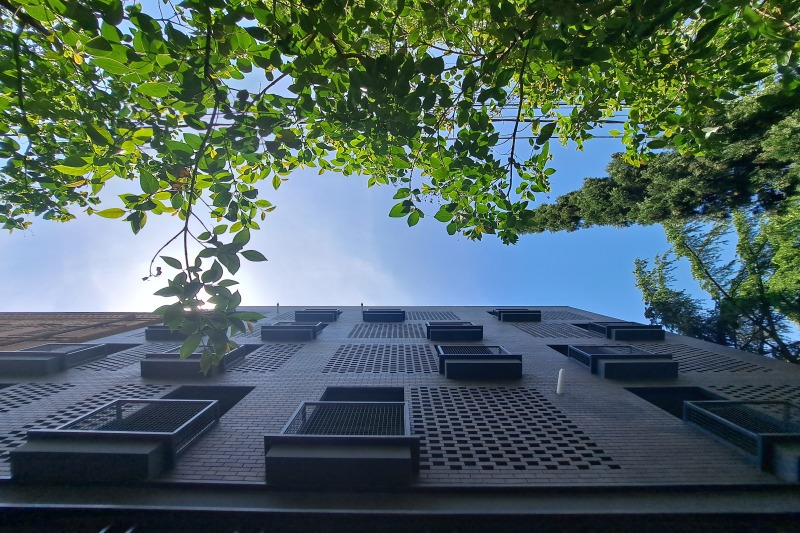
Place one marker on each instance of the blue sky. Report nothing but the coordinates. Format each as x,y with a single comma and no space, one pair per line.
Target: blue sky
330,242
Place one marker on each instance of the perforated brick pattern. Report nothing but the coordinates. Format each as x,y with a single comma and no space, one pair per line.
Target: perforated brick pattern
376,358
562,315
288,315
512,428
431,315
695,360
19,395
16,437
268,358
555,331
759,392
381,330
119,360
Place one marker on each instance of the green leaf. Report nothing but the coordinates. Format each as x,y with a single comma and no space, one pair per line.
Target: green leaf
190,345
158,90
253,255
243,237
443,215
73,171
212,274
171,261
432,66
546,133
114,212
111,66
400,210
99,135
148,182
230,262
413,218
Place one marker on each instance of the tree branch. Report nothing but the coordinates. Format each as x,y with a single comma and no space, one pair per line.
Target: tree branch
511,161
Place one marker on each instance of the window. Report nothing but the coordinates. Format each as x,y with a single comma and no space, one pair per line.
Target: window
453,331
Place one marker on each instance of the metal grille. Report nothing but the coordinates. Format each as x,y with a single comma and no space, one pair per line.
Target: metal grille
139,416
469,350
746,442
180,422
125,358
757,417
387,330
431,315
555,331
389,358
695,360
742,423
348,418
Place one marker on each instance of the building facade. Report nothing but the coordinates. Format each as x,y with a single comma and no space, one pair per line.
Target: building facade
483,438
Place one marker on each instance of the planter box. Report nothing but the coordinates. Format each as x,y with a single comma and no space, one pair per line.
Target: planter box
592,355
453,331
317,315
467,351
628,331
516,314
125,440
171,366
51,358
291,331
768,431
483,369
343,445
383,315
163,333
638,368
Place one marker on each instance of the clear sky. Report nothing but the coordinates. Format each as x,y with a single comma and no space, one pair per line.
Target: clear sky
330,242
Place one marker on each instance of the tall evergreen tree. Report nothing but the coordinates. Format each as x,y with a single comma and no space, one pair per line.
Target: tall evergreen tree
753,165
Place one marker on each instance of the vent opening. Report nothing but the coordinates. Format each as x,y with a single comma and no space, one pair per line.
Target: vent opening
671,399
363,394
226,396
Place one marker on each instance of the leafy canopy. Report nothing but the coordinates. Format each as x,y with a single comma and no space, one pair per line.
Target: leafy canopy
755,167
199,103
755,294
